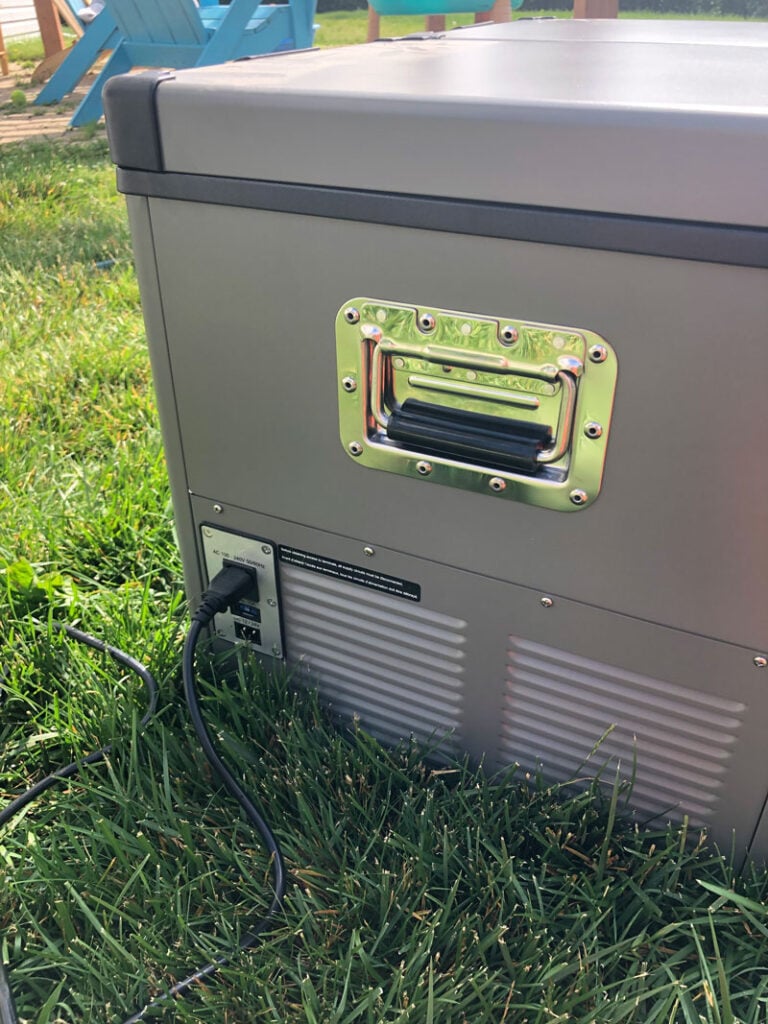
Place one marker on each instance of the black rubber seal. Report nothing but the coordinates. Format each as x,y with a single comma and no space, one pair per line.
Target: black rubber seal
647,236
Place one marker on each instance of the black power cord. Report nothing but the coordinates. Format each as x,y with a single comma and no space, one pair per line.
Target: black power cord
141,671
226,589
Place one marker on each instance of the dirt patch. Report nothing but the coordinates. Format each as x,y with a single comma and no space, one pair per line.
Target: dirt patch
20,123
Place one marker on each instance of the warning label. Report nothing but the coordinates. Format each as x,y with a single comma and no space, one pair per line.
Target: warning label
351,573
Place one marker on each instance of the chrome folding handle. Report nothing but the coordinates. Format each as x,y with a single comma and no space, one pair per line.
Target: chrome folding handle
442,356
518,409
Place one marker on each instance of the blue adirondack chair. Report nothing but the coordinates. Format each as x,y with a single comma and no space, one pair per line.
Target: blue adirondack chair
181,34
100,35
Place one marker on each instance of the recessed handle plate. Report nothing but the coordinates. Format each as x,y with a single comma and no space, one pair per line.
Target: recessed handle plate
503,406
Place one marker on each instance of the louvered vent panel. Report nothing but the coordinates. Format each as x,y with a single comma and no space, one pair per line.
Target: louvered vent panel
396,666
557,706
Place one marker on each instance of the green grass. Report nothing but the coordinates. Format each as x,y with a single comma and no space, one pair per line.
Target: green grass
29,51
415,896
342,28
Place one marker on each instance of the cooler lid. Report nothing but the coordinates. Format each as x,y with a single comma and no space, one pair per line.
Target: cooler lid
654,119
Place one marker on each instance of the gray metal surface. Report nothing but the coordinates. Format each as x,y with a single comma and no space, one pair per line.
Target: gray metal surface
605,30
677,534
544,115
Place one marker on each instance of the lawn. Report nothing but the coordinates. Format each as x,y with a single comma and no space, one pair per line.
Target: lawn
415,896
340,28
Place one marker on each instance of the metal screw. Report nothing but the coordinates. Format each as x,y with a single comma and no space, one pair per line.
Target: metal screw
207,531
351,315
497,484
509,334
355,448
759,661
426,322
272,602
349,384
598,353
578,497
593,429
369,551
547,602
425,468
266,549
218,509
276,650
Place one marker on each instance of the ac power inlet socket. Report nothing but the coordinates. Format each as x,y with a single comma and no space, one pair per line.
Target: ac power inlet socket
255,620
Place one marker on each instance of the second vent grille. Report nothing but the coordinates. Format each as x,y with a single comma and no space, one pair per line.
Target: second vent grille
558,705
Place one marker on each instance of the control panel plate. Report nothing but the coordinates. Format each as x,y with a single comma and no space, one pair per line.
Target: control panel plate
255,620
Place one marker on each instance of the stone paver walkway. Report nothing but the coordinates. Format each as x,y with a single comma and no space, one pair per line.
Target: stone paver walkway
28,123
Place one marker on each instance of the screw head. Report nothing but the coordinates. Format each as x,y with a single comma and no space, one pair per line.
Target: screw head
218,509
426,323
578,497
598,353
355,448
424,468
349,384
369,551
272,602
546,602
497,484
266,549
351,315
593,429
759,661
509,334
207,531
276,650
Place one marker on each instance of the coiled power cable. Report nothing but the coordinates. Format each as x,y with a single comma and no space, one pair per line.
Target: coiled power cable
225,589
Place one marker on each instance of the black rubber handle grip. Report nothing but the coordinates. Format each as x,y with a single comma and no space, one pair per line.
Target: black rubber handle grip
491,441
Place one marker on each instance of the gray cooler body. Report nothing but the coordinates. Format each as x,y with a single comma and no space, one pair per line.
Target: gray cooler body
460,341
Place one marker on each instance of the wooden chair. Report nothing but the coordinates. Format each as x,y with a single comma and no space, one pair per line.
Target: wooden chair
3,55
179,34
96,39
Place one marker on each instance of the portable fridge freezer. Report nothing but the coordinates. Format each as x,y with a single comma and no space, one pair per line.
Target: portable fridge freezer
459,340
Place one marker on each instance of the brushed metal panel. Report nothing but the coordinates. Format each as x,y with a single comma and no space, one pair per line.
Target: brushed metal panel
677,534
